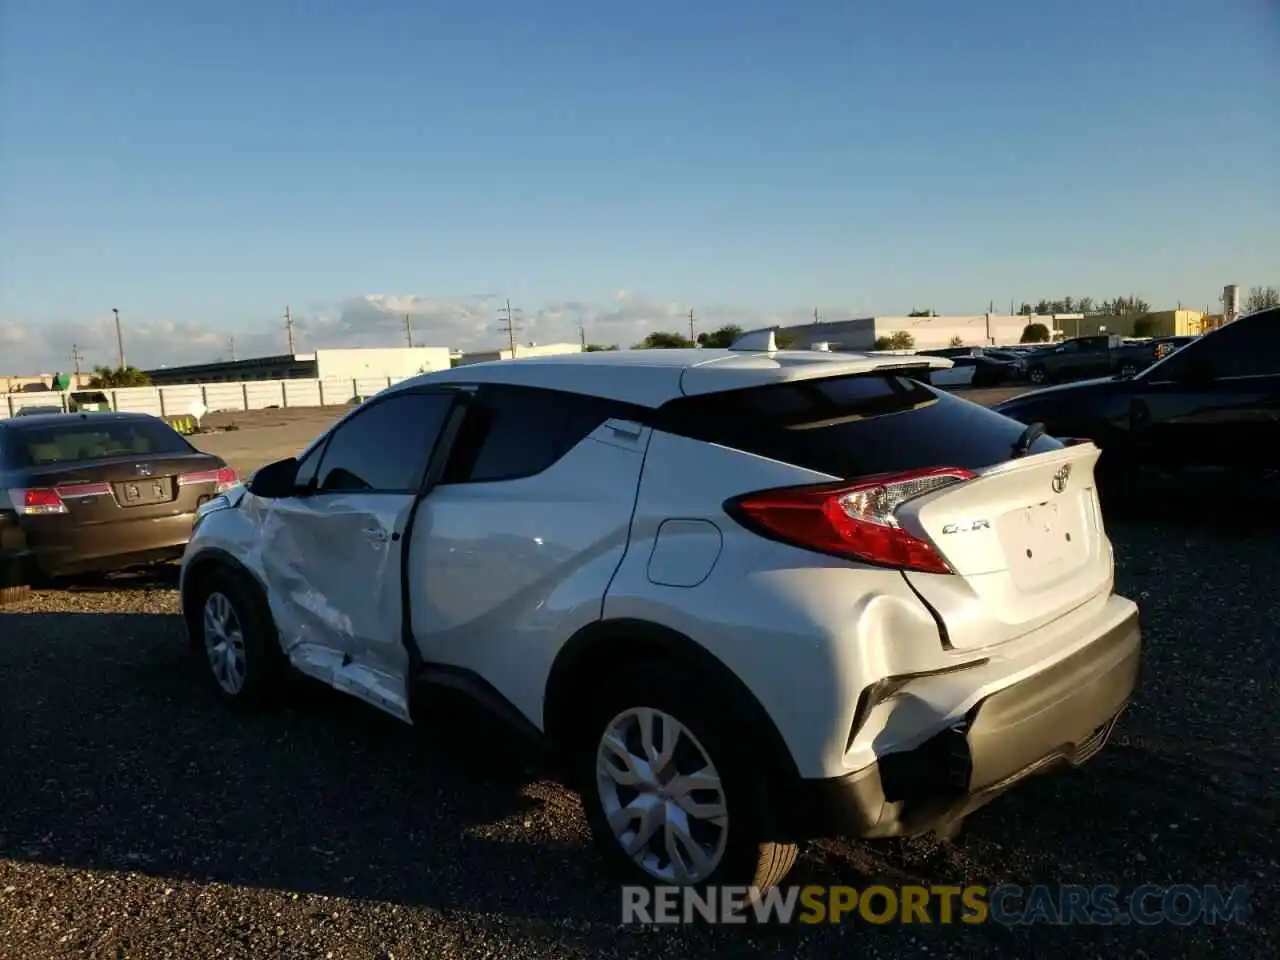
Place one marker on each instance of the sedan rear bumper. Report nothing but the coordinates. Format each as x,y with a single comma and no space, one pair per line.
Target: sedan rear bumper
54,546
1062,715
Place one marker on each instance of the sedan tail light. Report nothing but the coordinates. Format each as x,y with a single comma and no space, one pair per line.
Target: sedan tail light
39,501
224,478
854,520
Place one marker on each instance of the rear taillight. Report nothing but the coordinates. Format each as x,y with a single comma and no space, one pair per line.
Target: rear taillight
853,520
224,478
51,500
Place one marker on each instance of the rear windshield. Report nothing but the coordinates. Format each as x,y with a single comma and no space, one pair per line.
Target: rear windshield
851,426
91,440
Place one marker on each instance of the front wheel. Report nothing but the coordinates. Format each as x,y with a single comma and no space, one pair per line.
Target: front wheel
235,638
672,792
1037,375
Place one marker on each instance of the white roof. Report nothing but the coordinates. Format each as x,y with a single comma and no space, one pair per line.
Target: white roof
650,378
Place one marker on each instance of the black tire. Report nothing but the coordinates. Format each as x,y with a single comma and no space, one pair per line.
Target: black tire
264,673
11,595
749,858
1038,375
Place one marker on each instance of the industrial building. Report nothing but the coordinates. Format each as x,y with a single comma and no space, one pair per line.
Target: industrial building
990,329
346,364
522,350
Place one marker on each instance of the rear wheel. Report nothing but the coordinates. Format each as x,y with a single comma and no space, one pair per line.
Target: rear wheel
1037,375
235,638
673,793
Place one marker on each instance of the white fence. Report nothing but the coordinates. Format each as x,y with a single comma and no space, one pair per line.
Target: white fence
178,400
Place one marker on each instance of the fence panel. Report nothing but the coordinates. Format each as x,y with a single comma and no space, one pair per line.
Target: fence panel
302,393
177,400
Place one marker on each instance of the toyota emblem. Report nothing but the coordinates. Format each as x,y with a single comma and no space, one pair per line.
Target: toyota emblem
1059,482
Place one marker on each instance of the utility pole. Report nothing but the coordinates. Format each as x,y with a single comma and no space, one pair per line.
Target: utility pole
288,326
75,360
119,340
815,316
582,335
509,325
408,330
691,335
232,343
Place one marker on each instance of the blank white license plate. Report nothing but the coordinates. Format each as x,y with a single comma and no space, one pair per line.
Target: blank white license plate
1044,541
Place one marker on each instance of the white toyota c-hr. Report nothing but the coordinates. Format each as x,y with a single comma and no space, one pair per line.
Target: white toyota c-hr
749,597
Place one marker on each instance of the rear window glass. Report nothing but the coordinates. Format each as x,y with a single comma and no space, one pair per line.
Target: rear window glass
851,426
92,440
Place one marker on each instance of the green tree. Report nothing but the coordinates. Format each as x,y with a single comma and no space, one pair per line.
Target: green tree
106,378
1145,326
898,340
784,340
720,338
659,340
1261,298
922,313
1034,333
956,341
597,348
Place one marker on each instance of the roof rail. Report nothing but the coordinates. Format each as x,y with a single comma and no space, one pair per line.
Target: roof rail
757,341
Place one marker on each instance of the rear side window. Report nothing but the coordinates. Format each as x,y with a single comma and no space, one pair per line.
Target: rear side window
87,440
513,432
851,426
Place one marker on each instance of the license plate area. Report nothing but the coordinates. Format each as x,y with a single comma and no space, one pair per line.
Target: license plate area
144,492
1044,541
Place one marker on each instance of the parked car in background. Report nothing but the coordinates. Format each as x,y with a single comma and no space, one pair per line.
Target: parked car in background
87,400
1167,345
1093,356
1203,422
973,367
748,597
97,492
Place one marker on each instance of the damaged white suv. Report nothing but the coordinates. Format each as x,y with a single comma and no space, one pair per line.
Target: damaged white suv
749,596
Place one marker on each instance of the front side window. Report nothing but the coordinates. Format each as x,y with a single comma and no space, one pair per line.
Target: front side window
386,447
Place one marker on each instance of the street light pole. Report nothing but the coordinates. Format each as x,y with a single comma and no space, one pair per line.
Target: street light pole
119,340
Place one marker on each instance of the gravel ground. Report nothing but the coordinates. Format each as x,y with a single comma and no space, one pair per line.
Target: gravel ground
143,820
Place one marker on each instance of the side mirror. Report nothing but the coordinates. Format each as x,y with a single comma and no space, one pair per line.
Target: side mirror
276,480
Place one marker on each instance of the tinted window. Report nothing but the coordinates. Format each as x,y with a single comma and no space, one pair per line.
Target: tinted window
386,446
91,439
516,432
851,426
1249,347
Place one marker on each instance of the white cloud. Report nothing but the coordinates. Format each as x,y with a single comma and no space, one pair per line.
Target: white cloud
375,319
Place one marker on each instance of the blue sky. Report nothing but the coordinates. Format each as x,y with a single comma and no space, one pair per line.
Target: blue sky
199,166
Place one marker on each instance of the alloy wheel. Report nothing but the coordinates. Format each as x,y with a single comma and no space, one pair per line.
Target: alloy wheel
662,796
224,643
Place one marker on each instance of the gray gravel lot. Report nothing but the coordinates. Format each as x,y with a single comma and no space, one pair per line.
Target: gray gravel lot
142,819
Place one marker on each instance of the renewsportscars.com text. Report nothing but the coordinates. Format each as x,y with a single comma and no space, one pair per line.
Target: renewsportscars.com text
1008,905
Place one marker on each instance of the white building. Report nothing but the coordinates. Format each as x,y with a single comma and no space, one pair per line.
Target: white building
522,350
928,333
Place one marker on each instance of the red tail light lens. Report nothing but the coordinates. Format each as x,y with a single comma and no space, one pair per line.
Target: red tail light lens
853,520
38,502
222,479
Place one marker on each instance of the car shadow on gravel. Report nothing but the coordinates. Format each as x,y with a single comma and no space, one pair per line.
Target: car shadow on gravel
117,758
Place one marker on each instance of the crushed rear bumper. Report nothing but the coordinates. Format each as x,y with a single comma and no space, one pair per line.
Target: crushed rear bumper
1062,715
